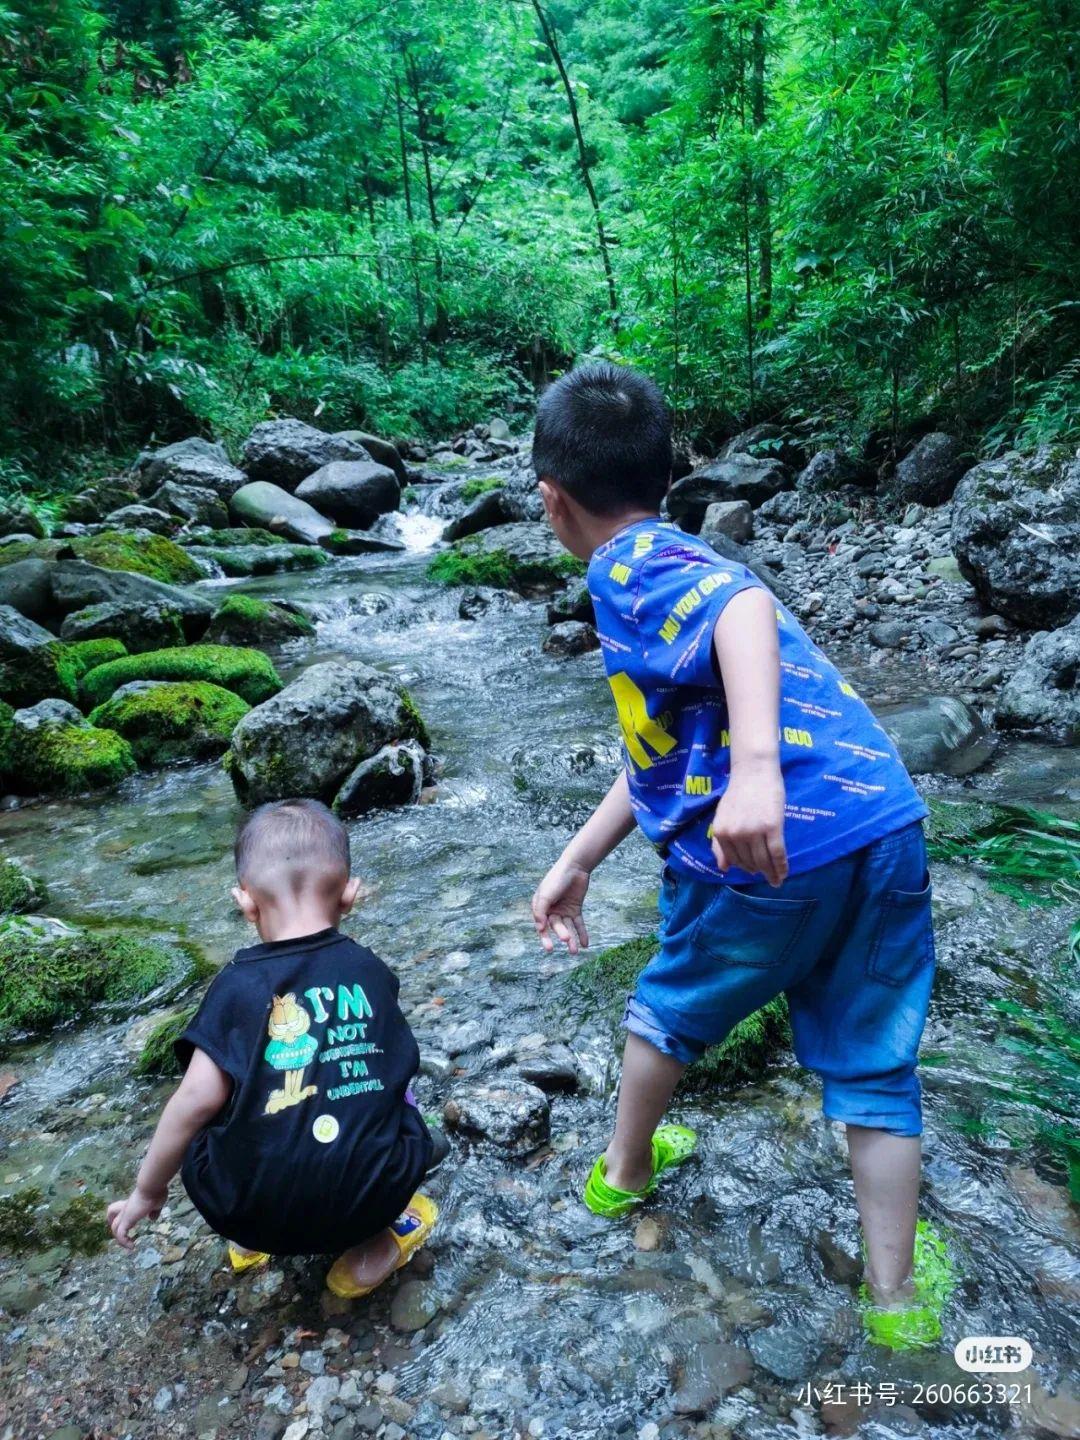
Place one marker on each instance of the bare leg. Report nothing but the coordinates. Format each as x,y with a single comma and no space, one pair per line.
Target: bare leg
648,1082
372,1262
886,1170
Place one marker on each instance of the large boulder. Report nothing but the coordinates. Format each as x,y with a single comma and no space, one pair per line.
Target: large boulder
238,561
136,552
51,749
194,504
143,517
247,620
166,721
733,518
739,477
525,557
272,508
352,492
26,586
380,450
1016,536
1043,690
493,507
247,673
74,585
34,665
192,462
928,474
141,625
284,452
938,736
832,470
310,737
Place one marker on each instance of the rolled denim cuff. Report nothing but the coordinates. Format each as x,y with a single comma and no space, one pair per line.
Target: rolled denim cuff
642,1021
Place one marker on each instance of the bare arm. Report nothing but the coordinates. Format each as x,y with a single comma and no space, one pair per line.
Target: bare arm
203,1091
557,904
748,828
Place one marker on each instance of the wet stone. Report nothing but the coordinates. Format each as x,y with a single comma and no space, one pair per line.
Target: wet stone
786,1351
710,1372
516,1120
413,1306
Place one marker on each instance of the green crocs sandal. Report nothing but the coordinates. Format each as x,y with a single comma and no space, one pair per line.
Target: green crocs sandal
671,1145
917,1325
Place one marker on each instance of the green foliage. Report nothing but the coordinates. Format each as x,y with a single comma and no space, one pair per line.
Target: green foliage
85,654
1029,854
171,721
20,893
473,489
51,973
154,555
157,1056
248,673
605,979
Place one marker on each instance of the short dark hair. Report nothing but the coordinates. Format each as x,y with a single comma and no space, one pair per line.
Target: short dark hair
288,841
603,433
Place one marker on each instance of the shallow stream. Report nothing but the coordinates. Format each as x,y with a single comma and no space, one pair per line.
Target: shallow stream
544,1314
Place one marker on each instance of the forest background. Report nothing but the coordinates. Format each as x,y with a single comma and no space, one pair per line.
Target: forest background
856,216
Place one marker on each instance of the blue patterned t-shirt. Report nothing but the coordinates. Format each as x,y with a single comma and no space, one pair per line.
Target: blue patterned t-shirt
658,594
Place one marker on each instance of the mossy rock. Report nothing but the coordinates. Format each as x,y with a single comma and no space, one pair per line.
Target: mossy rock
157,1056
16,550
63,755
167,721
29,1225
142,553
46,672
20,893
248,673
87,654
524,557
242,562
229,537
51,973
604,980
247,620
482,485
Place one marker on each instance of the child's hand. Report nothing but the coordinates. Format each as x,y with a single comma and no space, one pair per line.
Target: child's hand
124,1215
748,828
556,906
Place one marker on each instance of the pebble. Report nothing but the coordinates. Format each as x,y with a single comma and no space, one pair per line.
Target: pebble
322,1391
413,1306
647,1234
297,1430
313,1361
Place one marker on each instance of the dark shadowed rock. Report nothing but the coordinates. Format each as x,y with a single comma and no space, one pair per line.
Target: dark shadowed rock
938,736
27,587
192,462
739,477
477,600
75,585
392,776
309,737
571,637
1016,536
284,452
1043,690
765,441
272,508
141,624
711,1370
831,470
33,665
352,492
575,603
18,519
929,473
382,451
495,507
143,517
514,1118
195,504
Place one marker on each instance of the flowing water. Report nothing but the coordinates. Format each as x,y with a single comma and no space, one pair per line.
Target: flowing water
546,1314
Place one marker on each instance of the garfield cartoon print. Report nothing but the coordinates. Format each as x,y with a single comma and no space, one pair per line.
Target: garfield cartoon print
291,1049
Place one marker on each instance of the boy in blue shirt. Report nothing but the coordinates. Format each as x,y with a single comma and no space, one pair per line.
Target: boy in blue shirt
791,834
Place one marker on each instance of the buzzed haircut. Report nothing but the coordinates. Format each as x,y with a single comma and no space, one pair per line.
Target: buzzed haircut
291,844
603,434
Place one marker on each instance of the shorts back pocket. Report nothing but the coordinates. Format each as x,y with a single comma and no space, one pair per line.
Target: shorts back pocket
738,928
904,936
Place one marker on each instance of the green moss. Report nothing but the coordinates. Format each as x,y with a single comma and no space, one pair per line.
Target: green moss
409,495
416,728
246,620
67,759
237,563
482,485
85,654
20,893
157,1056
467,562
605,979
52,973
152,555
173,720
248,673
28,1225
47,671
224,539
17,550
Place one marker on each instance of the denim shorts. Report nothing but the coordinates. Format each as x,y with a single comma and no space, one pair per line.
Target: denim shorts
850,944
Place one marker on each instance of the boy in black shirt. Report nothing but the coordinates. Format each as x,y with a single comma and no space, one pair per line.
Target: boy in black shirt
294,1127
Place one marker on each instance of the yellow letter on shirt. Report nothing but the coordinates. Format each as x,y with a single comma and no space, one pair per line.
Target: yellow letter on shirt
638,726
